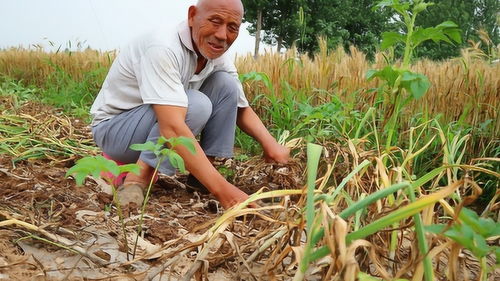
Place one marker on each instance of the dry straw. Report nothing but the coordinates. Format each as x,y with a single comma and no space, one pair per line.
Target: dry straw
468,84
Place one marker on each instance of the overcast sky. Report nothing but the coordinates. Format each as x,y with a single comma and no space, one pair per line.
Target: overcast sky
100,24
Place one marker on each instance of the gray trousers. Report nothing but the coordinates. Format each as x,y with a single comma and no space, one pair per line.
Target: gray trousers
211,113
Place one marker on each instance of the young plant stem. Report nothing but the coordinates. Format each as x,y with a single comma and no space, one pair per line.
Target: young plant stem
313,155
143,208
483,275
410,23
120,217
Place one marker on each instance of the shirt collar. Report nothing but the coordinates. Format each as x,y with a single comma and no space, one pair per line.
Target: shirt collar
185,35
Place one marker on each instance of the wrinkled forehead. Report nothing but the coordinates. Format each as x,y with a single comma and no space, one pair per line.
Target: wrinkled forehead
233,6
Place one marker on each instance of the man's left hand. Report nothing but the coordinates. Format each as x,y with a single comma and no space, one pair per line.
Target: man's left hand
277,153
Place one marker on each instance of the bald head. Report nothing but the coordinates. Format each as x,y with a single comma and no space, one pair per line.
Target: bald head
215,25
232,4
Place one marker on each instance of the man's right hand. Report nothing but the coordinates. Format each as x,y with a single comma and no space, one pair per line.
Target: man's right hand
230,195
171,120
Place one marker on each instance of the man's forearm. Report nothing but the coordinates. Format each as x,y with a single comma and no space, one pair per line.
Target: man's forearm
250,123
198,163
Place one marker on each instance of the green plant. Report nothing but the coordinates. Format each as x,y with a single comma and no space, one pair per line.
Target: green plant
98,166
400,84
74,95
472,232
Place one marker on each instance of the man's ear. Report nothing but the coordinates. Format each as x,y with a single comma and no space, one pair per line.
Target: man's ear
191,14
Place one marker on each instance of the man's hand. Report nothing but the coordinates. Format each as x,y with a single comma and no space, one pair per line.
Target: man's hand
277,153
251,124
230,196
171,124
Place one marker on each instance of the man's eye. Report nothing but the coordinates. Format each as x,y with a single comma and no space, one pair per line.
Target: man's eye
233,28
216,21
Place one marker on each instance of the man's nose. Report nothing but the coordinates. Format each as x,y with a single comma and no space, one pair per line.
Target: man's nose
221,33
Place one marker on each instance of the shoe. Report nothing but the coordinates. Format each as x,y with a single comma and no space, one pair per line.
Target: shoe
193,184
130,193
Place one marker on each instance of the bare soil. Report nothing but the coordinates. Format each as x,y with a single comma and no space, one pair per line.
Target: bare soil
37,192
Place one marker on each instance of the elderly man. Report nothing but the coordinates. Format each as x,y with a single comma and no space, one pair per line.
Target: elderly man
179,83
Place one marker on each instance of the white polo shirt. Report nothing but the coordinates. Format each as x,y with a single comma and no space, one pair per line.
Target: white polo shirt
156,68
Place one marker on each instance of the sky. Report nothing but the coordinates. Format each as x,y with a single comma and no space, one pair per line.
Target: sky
100,24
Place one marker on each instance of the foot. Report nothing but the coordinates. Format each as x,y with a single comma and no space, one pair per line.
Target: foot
130,193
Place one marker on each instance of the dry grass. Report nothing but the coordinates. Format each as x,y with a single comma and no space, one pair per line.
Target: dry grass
34,66
468,83
465,83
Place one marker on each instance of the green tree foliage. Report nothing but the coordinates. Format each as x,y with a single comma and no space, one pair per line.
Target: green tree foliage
471,16
347,22
280,22
353,22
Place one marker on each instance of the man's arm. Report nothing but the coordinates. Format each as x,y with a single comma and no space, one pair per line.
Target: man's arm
250,123
171,121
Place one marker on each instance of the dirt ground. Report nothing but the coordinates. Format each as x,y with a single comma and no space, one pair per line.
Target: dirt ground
52,229
38,193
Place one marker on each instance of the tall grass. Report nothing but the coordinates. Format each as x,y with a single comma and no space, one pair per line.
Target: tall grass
67,80
465,88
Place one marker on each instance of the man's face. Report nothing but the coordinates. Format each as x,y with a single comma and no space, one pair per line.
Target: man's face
215,24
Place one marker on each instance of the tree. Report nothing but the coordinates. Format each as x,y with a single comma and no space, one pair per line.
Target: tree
279,20
471,16
253,13
347,22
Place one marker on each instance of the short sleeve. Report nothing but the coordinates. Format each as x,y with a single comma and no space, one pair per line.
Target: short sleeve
160,79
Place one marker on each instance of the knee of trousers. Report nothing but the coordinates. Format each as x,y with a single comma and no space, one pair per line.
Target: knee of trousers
199,110
226,85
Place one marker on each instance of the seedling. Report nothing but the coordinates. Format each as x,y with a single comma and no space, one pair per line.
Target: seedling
98,166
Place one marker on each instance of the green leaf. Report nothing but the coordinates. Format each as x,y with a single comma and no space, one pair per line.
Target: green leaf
435,228
461,234
480,247
447,24
454,34
130,168
395,4
188,143
387,74
390,39
400,213
317,235
318,254
161,140
361,204
147,146
415,83
421,7
177,161
92,166
365,277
